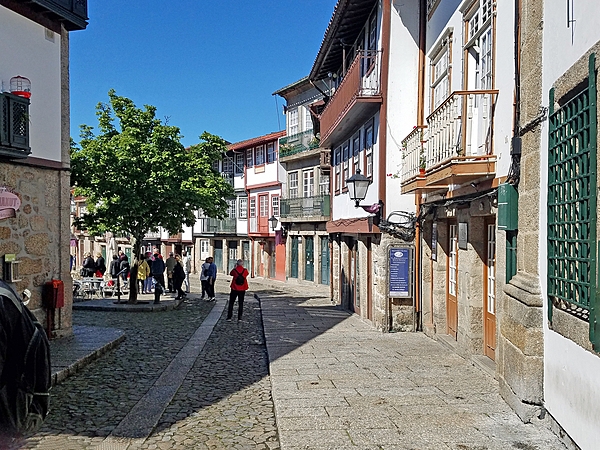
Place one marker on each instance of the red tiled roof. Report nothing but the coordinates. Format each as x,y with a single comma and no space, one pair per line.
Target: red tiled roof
256,141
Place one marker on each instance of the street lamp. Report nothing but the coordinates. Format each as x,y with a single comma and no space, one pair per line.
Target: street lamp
273,221
357,187
357,190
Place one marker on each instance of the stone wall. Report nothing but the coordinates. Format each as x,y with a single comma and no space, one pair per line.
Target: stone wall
37,234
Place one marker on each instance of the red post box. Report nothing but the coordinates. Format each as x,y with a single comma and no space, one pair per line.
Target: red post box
53,294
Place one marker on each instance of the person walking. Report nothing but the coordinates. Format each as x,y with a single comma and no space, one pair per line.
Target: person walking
187,268
100,265
113,268
142,274
88,266
148,281
212,277
178,277
239,286
124,267
158,273
204,276
170,263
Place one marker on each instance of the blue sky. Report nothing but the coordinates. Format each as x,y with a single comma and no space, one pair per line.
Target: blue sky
205,65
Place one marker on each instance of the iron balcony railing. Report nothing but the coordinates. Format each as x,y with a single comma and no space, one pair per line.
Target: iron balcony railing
317,206
461,127
297,143
217,226
14,126
361,80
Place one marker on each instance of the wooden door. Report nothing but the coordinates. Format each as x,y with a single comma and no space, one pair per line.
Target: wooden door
489,294
325,260
309,264
263,213
452,281
294,258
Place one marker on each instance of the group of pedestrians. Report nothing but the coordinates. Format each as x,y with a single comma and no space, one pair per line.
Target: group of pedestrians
151,275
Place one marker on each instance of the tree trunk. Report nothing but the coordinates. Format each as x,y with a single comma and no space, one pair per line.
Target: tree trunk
133,286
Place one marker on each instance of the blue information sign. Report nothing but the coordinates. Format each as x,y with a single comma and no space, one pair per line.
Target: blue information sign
400,264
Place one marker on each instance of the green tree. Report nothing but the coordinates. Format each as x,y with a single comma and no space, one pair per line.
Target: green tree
137,176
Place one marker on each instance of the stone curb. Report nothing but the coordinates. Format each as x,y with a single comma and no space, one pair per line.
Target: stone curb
109,305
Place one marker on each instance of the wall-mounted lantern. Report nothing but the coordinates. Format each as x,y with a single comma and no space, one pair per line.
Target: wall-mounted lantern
273,221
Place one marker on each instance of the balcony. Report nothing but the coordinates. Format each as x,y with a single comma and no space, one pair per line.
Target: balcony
306,209
208,225
73,13
297,146
356,99
455,147
14,126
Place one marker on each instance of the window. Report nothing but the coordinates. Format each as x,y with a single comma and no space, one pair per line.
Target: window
572,208
215,166
293,118
252,207
14,126
271,154
308,183
231,208
243,208
275,205
227,165
346,162
239,162
324,184
293,184
259,155
337,161
440,73
369,149
479,43
264,205
249,158
356,152
308,125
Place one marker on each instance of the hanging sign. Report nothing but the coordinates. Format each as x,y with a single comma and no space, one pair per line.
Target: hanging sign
9,203
400,272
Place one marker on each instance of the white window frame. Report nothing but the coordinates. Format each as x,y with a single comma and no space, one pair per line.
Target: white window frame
345,162
293,184
275,205
441,63
308,183
243,208
259,155
252,209
263,207
293,121
227,164
250,157
308,125
369,142
271,153
231,208
324,184
239,163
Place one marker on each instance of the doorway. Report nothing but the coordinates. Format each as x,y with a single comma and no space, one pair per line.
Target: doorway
452,281
325,264
309,252
489,294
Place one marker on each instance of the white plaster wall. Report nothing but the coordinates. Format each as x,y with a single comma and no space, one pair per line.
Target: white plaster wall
25,51
186,235
571,383
270,174
402,98
448,14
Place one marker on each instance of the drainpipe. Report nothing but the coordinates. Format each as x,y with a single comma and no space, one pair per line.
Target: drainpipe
418,294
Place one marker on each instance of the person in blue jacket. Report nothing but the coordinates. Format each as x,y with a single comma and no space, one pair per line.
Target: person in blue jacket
212,276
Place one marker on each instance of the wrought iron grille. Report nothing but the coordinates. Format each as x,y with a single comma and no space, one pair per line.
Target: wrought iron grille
14,126
572,202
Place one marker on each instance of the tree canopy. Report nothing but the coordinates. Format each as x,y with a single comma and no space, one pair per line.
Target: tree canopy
137,176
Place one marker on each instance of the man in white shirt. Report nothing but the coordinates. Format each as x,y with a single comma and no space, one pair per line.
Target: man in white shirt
187,268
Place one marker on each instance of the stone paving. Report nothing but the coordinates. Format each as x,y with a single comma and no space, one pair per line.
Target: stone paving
318,378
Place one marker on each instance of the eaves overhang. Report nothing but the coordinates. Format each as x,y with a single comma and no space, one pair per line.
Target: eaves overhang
348,19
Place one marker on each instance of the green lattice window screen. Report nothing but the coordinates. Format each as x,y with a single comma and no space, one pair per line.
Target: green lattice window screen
572,205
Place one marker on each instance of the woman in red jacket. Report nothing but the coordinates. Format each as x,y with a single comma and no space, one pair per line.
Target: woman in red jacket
239,286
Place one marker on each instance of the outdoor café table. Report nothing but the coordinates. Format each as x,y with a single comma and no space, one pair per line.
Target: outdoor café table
91,286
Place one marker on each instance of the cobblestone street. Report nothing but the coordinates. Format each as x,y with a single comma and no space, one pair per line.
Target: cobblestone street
188,379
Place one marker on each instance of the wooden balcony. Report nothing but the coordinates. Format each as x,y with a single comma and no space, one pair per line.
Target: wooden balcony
455,147
356,99
73,13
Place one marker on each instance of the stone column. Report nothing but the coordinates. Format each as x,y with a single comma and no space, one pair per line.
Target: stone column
520,313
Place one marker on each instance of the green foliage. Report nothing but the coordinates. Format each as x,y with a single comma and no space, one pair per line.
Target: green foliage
137,176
